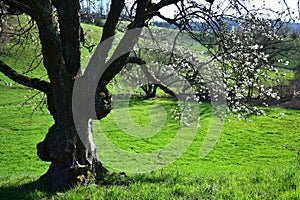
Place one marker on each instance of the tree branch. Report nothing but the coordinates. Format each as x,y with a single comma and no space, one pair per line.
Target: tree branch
125,45
150,77
17,7
164,3
110,25
135,60
69,25
24,80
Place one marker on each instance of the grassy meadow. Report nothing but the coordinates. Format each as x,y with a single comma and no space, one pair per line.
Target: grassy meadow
253,159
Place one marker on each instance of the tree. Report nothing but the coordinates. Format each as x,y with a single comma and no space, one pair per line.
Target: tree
60,47
101,8
73,155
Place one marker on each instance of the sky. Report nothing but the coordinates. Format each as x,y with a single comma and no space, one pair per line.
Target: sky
271,4
253,4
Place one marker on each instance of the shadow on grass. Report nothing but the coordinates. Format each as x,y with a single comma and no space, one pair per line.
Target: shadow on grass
23,189
28,188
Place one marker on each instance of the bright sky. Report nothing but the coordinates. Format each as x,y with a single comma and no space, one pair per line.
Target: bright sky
253,4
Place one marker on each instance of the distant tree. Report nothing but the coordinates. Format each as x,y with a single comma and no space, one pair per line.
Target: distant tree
101,7
5,23
107,8
245,51
88,7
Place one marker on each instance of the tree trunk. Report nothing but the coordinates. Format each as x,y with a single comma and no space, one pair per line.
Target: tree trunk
72,162
69,145
73,157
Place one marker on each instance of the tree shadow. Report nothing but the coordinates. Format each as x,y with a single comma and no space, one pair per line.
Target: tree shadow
34,189
28,190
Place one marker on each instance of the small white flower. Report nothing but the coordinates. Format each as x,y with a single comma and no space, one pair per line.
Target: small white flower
286,63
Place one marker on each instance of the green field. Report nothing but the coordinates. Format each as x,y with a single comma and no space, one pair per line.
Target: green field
253,159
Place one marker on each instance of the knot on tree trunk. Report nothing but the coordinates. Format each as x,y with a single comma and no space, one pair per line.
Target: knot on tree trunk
103,102
59,144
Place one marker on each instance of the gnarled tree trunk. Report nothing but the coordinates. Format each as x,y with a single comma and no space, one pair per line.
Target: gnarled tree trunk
73,158
73,161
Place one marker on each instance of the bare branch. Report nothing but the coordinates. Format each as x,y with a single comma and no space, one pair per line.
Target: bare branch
33,66
136,60
17,7
112,19
35,83
127,42
164,3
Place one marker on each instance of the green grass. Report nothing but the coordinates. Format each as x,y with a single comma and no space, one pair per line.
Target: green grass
252,160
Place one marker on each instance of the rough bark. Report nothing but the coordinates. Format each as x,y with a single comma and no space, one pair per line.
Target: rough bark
73,159
72,162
